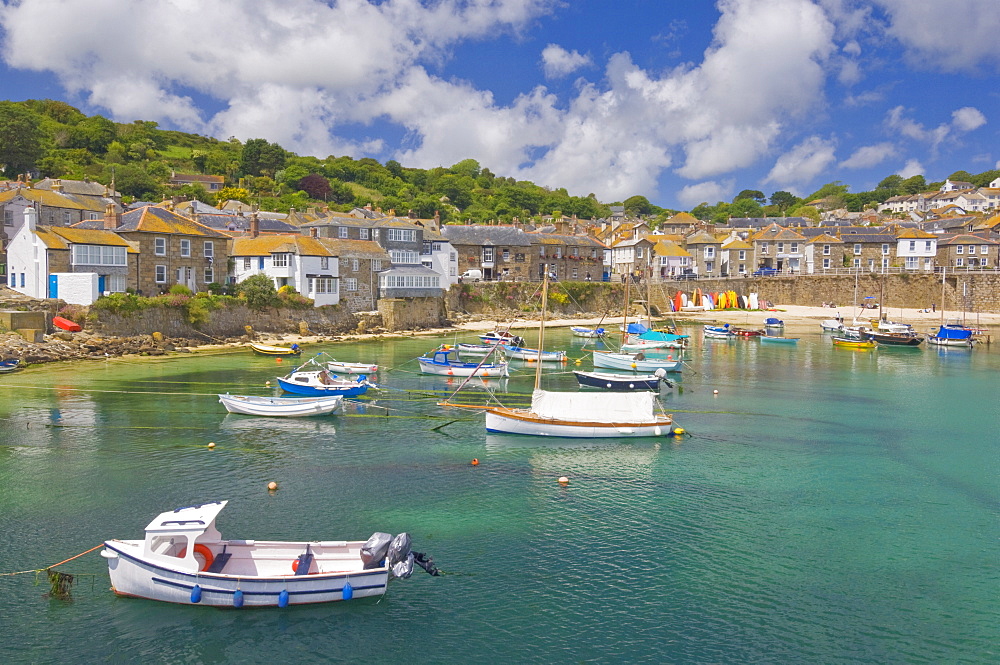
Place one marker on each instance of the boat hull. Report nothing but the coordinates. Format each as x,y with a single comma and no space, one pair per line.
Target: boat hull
350,368
532,355
769,339
949,341
521,421
626,362
618,382
284,407
280,351
132,576
315,389
851,343
579,331
428,366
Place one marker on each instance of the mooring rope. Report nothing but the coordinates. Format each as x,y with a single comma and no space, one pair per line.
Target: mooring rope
39,570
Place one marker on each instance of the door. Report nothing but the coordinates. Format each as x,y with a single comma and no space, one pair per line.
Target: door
53,286
102,284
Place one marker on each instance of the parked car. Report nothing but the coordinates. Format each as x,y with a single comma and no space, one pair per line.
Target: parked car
473,275
686,275
765,271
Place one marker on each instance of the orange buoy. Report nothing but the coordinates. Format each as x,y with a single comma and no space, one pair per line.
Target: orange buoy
475,462
272,486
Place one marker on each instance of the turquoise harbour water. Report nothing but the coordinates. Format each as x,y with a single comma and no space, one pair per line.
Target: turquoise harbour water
830,506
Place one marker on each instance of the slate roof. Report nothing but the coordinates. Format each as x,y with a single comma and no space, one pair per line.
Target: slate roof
701,238
668,248
825,239
83,187
776,232
481,234
569,240
231,223
360,249
52,199
159,220
869,238
966,239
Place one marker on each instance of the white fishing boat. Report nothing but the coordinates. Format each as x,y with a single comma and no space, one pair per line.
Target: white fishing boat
287,407
719,332
184,559
532,355
341,367
502,337
439,362
478,350
832,325
635,362
581,331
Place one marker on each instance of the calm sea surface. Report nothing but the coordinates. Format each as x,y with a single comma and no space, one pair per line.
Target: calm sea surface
830,506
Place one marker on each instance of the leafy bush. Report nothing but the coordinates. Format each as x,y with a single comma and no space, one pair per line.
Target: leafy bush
292,298
122,304
180,290
258,291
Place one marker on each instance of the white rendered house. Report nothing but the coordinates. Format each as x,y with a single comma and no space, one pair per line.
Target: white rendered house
303,263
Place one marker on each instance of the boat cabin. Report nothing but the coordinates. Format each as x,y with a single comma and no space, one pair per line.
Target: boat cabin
171,538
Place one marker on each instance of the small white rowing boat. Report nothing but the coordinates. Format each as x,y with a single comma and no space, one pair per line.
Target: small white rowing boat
350,368
287,407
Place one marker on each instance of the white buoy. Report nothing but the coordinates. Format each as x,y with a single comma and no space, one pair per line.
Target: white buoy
715,392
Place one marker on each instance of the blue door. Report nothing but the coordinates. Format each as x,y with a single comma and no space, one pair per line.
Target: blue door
101,282
53,286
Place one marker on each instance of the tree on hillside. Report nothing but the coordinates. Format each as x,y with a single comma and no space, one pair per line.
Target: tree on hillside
20,139
809,212
754,194
891,183
784,200
94,133
316,186
261,158
637,205
135,181
746,207
232,194
913,185
468,167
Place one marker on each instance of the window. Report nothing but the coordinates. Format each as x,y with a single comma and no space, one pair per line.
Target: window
781,248
960,249
374,234
927,245
364,234
960,261
826,250
488,255
355,264
857,263
115,283
541,251
279,260
984,249
826,264
638,252
426,250
911,263
324,285
795,248
885,263
246,263
209,274
593,253
324,263
350,284
709,252
161,274
67,220
972,249
8,218
185,247
98,255
404,257
342,232
885,249
453,257
506,254
743,255
209,249
763,248
913,245
376,265
857,249
400,235
160,247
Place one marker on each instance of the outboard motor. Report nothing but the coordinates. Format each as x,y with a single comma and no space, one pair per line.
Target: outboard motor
374,550
399,557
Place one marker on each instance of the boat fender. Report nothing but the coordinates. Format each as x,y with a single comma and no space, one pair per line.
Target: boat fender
283,598
238,598
196,594
348,591
204,552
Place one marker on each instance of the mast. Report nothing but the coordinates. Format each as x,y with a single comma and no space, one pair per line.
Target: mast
944,269
541,329
625,312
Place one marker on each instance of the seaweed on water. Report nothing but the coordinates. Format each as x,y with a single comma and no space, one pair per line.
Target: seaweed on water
60,584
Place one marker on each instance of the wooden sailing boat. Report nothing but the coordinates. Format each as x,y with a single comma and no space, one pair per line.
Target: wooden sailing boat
578,414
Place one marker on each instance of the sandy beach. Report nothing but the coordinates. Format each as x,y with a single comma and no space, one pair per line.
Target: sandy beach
796,317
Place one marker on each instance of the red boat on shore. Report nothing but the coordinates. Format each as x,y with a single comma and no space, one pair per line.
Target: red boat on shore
66,324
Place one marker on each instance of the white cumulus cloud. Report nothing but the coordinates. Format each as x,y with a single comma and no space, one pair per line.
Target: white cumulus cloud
710,192
802,163
870,155
558,62
967,119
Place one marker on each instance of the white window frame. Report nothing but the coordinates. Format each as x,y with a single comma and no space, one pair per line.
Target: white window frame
160,274
324,263
355,265
984,249
279,260
960,249
364,234
350,284
209,249
159,246
857,249
341,231
826,250
376,265
325,285
742,255
826,264
885,249
209,274
185,247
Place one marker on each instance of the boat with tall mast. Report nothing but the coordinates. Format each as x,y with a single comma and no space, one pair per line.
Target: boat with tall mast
578,414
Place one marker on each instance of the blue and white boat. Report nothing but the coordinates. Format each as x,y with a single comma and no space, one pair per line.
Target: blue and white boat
622,382
635,362
184,559
9,365
772,322
719,332
952,335
318,382
532,355
439,362
581,331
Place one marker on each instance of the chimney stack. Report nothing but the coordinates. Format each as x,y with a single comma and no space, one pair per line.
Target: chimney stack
30,218
254,225
314,232
112,219
57,185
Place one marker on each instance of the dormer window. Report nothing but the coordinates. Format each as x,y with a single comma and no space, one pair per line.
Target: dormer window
342,232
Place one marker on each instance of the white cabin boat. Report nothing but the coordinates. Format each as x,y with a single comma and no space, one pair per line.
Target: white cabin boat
184,559
439,362
635,362
287,407
581,331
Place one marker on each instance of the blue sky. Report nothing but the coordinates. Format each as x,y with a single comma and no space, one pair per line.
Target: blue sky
682,102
